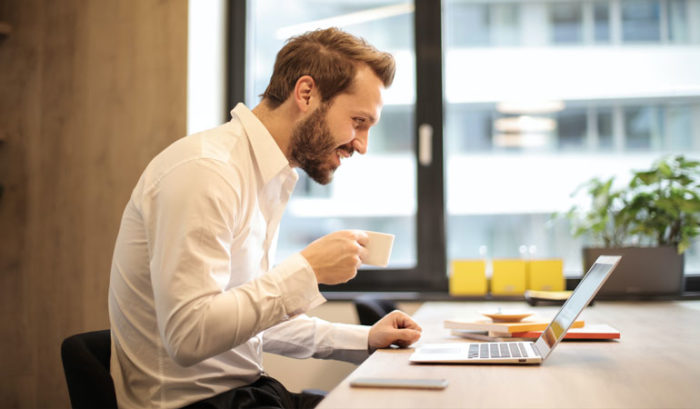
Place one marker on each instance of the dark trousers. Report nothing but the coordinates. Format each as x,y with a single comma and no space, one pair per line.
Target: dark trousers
265,393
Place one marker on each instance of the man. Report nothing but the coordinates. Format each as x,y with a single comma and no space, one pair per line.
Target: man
193,298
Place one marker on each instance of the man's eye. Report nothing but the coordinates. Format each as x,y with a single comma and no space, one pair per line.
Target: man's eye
359,121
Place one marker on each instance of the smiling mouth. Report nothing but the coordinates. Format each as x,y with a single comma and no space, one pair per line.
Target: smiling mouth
343,152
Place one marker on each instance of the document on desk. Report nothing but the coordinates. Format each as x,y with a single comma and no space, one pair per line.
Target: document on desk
503,327
589,331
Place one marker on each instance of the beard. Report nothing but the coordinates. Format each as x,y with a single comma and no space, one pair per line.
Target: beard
312,146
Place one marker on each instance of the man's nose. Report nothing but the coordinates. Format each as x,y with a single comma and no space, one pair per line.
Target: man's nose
360,142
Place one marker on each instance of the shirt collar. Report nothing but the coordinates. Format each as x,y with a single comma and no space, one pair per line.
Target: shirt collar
270,158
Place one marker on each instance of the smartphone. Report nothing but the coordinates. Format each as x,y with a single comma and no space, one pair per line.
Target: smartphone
415,383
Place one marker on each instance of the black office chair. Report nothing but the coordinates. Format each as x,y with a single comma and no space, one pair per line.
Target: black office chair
371,309
85,359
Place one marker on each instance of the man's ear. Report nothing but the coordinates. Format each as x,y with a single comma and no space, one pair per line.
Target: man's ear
305,93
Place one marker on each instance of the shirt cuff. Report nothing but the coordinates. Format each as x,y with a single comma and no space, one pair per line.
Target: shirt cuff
350,343
350,336
298,285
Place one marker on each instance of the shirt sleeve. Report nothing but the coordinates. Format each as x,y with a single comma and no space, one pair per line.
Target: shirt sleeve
190,221
311,337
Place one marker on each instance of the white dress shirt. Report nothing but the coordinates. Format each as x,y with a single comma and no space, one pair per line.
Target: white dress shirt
193,300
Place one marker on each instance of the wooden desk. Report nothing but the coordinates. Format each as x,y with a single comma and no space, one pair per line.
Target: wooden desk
655,364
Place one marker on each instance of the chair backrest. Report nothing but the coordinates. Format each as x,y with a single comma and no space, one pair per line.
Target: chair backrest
85,359
371,309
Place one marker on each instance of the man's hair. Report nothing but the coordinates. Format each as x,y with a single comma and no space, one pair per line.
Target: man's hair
331,57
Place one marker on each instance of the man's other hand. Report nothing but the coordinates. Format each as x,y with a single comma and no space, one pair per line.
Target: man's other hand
395,328
336,256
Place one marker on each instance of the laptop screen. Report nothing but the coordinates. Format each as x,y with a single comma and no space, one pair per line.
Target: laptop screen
579,299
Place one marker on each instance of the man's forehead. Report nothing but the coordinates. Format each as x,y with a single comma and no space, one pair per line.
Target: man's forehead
364,76
367,95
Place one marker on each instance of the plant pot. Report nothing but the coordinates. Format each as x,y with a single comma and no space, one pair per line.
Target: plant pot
643,272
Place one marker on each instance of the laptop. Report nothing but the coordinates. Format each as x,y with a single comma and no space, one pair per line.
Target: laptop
526,352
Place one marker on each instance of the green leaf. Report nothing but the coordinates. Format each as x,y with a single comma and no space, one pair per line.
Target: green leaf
665,170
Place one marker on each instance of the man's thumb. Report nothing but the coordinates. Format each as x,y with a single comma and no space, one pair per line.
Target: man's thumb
406,336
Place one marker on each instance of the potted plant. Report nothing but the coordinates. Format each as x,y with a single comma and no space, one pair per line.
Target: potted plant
650,222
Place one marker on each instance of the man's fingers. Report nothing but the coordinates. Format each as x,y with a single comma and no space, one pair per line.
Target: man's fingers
401,320
361,237
363,253
410,334
406,322
358,262
406,337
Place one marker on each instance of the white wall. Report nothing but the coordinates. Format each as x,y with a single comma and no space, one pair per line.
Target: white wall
206,64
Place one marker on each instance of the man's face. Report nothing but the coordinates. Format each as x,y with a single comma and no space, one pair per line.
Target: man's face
337,128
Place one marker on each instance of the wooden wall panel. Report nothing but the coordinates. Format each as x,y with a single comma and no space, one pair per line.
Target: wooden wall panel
19,96
91,91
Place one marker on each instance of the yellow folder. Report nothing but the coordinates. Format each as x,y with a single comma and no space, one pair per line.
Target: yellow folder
468,277
508,277
545,275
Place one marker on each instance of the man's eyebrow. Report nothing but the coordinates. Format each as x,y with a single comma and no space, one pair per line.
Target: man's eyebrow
369,116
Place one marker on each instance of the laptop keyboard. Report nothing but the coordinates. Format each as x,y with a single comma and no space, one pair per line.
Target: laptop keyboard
498,350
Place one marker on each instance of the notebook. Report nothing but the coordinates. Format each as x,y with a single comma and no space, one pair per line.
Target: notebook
524,352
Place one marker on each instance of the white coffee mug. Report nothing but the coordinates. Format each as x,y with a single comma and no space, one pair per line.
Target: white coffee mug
379,248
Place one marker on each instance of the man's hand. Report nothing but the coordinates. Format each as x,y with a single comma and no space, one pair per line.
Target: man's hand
336,256
395,328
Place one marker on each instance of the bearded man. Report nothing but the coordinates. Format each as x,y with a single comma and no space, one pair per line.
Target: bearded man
194,298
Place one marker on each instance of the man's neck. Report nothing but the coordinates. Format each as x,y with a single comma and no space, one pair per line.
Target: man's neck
279,122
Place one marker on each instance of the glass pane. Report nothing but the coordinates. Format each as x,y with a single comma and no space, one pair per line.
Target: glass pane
504,24
525,126
470,22
468,129
376,191
483,24
679,123
640,20
601,21
677,14
642,127
604,122
566,22
572,128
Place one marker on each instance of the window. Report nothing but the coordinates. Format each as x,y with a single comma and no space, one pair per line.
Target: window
641,20
572,129
642,128
472,24
676,12
526,99
377,191
602,129
526,125
601,21
566,20
484,24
